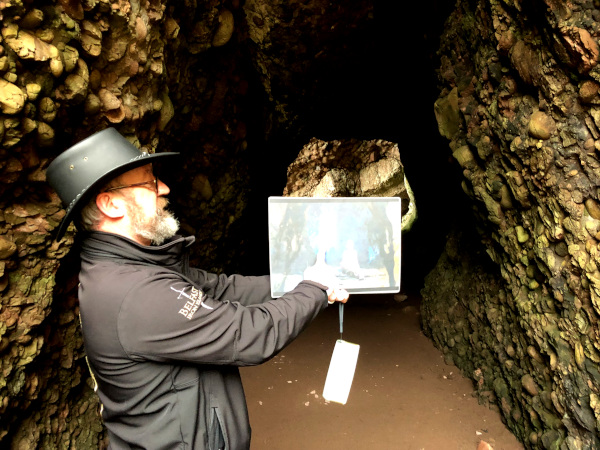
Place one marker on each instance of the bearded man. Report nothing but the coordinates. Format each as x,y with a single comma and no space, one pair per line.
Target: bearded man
164,340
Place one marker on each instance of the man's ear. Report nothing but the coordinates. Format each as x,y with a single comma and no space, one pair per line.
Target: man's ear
110,205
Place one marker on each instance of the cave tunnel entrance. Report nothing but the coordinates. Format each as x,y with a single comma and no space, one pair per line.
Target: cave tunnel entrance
384,88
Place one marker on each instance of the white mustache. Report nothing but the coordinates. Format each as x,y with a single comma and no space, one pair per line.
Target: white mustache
162,204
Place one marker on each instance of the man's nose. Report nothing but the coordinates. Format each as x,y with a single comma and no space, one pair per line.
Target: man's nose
163,189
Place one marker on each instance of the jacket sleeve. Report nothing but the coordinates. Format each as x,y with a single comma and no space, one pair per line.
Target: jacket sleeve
237,288
165,318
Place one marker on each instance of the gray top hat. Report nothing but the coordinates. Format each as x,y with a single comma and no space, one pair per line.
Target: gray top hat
80,170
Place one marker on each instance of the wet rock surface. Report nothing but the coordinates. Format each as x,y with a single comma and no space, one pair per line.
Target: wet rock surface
351,168
69,69
518,105
202,78
514,302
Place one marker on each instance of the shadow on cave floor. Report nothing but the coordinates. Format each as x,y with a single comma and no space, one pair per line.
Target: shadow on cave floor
403,395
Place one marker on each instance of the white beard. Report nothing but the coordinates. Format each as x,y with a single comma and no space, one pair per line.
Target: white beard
156,228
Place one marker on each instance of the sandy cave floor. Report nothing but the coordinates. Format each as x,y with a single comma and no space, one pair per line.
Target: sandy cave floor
404,396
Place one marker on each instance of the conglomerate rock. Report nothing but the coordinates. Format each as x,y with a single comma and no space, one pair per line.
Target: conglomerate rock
519,105
170,76
293,43
351,168
69,69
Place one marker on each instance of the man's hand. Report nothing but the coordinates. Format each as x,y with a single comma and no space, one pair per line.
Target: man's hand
337,295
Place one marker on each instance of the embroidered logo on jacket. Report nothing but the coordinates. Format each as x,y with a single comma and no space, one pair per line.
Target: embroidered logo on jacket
193,303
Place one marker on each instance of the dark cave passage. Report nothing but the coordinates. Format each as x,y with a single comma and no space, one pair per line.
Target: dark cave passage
383,87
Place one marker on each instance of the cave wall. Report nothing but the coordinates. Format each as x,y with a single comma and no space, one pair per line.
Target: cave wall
215,80
515,299
69,69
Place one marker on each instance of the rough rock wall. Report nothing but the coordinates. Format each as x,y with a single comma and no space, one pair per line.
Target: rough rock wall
293,43
351,168
519,104
170,76
69,69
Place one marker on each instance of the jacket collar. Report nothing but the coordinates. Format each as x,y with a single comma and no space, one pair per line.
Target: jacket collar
98,245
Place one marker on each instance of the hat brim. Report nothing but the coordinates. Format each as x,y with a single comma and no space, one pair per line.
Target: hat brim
87,193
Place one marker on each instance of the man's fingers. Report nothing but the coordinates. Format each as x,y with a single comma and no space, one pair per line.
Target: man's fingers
339,295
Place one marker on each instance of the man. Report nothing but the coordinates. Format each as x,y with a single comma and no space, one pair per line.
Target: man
164,340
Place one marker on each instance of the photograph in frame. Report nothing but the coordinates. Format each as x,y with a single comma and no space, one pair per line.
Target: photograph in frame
353,241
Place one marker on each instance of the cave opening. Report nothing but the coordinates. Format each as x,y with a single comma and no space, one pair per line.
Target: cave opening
382,86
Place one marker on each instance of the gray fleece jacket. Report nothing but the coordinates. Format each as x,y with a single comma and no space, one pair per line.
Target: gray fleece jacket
164,341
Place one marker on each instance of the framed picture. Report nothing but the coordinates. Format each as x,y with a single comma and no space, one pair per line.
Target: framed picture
352,242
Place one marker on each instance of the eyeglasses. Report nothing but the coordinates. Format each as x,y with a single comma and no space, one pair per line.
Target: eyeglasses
151,184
